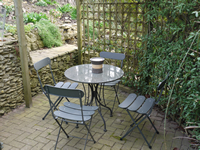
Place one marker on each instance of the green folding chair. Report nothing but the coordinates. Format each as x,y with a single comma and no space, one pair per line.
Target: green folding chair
115,84
71,112
66,85
143,107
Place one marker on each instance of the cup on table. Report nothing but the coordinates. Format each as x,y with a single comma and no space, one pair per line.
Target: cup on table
97,64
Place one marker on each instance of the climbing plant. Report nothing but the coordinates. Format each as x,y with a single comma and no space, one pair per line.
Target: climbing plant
173,29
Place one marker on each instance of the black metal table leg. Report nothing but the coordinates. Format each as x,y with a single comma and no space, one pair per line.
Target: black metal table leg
94,92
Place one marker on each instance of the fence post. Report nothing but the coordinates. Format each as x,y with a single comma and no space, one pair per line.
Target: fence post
79,30
23,52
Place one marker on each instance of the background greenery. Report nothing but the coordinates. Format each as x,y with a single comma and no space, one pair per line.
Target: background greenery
172,28
49,33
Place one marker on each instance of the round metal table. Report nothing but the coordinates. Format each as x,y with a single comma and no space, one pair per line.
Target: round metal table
83,74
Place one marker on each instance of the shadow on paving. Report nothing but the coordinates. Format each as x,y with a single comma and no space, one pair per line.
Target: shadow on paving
24,129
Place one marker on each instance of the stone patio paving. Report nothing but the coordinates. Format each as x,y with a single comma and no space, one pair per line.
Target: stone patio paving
24,129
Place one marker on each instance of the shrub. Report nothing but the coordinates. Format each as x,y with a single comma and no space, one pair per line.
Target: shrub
13,29
9,8
29,27
49,33
41,3
34,17
56,13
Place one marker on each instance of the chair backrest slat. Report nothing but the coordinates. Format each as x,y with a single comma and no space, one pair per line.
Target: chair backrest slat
110,55
161,87
39,65
61,92
42,63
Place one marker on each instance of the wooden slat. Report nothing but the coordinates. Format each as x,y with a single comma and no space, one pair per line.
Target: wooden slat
79,30
128,50
135,41
110,26
84,38
88,37
23,53
122,25
104,34
93,26
116,26
99,24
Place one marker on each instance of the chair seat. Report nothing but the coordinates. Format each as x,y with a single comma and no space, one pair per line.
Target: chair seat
64,115
112,83
76,106
73,85
128,101
149,102
66,85
137,103
59,84
76,111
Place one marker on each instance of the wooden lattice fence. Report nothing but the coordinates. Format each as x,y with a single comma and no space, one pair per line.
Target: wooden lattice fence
114,27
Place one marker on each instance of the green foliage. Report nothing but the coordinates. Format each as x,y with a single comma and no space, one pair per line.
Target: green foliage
173,28
41,3
55,13
49,33
50,2
11,28
65,8
74,14
28,27
68,9
34,17
9,8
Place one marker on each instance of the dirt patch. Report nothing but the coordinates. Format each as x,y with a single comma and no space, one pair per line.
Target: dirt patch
30,6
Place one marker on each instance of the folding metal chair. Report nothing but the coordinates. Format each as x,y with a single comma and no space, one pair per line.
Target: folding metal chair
71,112
143,107
67,85
114,84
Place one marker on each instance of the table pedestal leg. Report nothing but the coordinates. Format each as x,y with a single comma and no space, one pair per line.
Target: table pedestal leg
94,92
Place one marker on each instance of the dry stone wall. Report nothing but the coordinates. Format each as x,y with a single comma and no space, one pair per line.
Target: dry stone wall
11,86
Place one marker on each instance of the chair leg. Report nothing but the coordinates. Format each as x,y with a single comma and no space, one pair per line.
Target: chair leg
103,95
136,125
62,128
58,136
58,102
116,92
116,97
88,129
54,106
153,125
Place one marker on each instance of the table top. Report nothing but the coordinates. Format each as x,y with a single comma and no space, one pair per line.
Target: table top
83,73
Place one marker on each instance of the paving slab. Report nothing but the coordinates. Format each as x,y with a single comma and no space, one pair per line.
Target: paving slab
23,128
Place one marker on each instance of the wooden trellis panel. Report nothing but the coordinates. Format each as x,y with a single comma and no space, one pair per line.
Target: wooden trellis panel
114,27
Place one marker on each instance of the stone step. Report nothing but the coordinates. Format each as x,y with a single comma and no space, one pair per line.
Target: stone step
52,52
